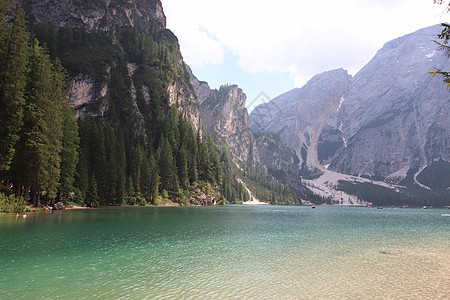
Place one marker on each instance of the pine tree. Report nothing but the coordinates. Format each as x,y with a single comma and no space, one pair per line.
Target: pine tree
443,45
13,60
69,153
183,168
167,167
92,192
192,154
154,178
37,159
136,165
215,171
204,163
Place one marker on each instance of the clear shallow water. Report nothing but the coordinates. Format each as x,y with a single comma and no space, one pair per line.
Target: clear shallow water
231,252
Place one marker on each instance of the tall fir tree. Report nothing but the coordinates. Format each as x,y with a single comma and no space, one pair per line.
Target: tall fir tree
37,164
69,152
183,167
92,192
167,167
154,178
13,61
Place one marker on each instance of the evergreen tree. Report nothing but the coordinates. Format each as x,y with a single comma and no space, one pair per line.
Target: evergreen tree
37,159
192,154
216,173
167,167
13,60
444,38
92,192
136,165
69,153
183,168
154,178
204,163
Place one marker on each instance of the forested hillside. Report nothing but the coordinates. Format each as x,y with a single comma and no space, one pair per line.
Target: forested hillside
131,146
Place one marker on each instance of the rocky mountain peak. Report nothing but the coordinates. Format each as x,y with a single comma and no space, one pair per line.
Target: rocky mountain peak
225,117
300,115
389,122
101,15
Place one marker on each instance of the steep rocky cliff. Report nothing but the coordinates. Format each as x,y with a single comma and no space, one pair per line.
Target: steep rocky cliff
100,15
300,115
389,122
92,38
395,117
225,117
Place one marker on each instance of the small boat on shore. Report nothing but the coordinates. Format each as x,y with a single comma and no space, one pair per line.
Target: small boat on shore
115,204
380,207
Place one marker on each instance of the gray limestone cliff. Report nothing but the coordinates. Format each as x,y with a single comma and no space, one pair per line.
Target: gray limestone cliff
101,15
301,115
389,122
225,117
395,118
88,91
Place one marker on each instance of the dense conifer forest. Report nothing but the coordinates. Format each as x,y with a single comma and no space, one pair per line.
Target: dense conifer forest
48,155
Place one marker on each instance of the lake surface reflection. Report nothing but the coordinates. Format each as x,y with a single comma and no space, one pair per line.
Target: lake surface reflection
249,252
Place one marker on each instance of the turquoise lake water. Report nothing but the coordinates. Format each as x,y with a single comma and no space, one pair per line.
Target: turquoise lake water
231,252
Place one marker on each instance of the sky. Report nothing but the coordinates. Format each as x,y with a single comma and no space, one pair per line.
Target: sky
269,47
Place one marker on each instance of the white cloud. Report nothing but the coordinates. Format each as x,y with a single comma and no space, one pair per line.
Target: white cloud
300,37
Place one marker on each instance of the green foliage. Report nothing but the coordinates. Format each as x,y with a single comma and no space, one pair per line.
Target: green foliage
12,204
69,153
80,51
270,190
127,168
382,196
13,60
233,190
436,175
444,38
127,154
37,161
92,192
267,189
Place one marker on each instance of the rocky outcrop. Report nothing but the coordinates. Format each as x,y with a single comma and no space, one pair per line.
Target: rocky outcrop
301,115
225,117
390,122
99,15
184,95
89,92
201,88
281,162
83,90
395,117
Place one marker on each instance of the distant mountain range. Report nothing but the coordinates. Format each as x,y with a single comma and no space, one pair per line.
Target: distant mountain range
390,122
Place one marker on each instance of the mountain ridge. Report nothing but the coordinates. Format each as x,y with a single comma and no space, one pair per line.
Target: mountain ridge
391,101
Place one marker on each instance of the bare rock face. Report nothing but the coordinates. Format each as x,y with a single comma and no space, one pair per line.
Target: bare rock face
100,15
300,115
189,107
201,88
225,117
109,16
395,117
390,122
85,89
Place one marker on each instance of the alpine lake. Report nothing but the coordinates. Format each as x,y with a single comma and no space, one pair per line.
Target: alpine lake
227,252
